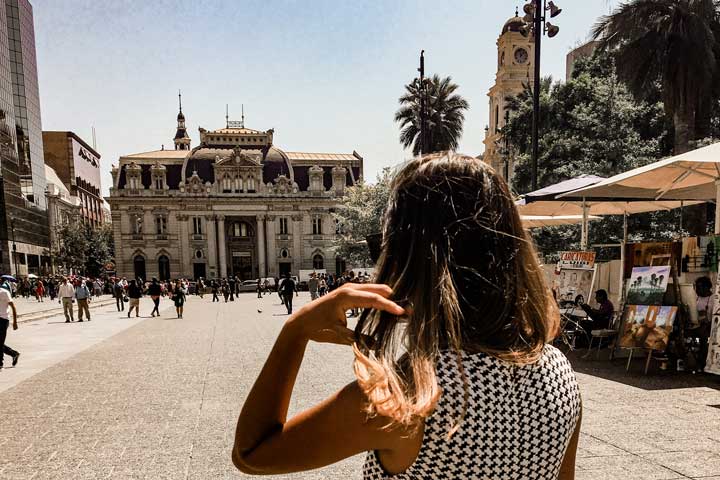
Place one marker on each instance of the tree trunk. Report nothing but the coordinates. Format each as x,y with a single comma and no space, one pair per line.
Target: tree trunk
694,217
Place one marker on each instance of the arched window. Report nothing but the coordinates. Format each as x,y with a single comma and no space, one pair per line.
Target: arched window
238,184
251,184
227,183
318,262
164,267
139,267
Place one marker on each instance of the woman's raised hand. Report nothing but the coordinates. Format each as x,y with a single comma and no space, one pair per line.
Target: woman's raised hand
324,319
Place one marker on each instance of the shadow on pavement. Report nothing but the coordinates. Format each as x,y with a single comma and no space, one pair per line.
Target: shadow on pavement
656,379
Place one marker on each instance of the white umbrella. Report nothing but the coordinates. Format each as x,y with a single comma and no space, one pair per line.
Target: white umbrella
693,177
537,221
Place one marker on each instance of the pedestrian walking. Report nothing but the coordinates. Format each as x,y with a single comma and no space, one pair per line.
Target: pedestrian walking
313,286
225,290
155,291
83,296
52,289
67,297
119,294
214,290
288,288
40,290
134,293
231,287
5,303
200,288
464,384
179,299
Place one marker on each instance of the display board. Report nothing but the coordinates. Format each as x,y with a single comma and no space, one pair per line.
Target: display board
574,286
647,326
712,364
647,285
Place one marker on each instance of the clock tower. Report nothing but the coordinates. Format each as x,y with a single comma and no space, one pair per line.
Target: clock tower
514,70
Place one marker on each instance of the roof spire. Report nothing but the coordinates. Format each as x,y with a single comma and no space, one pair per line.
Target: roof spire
242,106
227,116
180,100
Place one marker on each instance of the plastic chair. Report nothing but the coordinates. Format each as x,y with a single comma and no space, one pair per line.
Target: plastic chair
610,333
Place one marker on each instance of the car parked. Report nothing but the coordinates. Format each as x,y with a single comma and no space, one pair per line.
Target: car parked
248,286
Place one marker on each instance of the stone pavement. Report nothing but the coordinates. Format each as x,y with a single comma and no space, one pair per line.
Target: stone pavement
158,399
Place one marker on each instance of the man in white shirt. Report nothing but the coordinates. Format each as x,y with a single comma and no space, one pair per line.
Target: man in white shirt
67,293
5,302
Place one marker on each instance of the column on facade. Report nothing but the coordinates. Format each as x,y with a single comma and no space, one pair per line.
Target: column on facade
221,245
297,242
184,249
122,265
211,250
261,245
271,253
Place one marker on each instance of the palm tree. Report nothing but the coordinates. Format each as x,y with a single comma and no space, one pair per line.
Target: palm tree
445,115
673,42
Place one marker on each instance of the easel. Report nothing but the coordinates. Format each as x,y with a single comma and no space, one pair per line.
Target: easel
681,316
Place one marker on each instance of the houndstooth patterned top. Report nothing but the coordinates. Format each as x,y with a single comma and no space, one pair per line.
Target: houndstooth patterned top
518,423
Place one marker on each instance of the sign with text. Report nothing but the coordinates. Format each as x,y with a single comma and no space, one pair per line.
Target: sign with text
576,260
86,164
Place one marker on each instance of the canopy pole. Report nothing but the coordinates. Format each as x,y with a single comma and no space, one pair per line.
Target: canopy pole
622,258
584,229
717,207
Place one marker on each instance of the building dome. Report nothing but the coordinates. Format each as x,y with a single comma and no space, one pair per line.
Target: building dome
276,163
514,24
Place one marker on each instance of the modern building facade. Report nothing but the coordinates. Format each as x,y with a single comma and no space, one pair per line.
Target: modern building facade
516,57
235,205
78,166
24,232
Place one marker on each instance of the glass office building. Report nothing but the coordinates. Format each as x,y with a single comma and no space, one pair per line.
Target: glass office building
24,231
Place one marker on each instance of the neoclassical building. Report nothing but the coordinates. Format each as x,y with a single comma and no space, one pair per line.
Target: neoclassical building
235,205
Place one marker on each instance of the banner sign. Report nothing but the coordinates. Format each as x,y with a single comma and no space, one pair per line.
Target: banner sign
576,260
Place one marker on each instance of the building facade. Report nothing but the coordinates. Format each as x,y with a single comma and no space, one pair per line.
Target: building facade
78,167
585,50
515,70
63,207
235,205
24,232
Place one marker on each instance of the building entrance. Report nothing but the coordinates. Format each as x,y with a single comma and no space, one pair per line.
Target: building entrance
285,268
242,266
199,270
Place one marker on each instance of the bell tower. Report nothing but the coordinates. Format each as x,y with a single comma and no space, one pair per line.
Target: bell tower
182,139
515,69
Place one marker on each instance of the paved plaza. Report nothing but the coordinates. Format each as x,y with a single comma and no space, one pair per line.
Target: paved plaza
157,398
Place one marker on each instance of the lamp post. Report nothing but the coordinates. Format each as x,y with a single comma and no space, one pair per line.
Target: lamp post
536,25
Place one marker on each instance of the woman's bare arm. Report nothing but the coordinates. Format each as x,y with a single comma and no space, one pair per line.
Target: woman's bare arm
265,442
567,469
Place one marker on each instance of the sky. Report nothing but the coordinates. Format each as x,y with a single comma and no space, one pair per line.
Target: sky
325,74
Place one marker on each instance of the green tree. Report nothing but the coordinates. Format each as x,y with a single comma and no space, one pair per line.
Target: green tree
360,215
445,115
82,248
675,43
590,124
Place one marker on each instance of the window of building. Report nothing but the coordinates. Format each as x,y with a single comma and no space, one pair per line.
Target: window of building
197,225
284,253
318,262
317,225
283,226
251,184
240,229
227,184
161,224
238,184
159,183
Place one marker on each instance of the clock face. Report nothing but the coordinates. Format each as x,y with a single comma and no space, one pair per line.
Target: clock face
521,55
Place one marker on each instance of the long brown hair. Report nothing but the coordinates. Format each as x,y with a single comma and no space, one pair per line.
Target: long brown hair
455,252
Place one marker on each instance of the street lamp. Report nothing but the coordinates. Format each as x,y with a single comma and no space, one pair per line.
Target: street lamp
535,24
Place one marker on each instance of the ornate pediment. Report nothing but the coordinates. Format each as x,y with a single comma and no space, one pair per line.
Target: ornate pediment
239,158
283,186
195,186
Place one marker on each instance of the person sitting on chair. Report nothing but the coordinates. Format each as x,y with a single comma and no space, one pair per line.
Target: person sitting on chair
602,315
